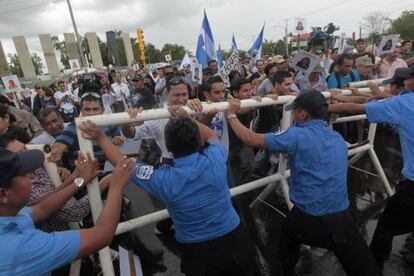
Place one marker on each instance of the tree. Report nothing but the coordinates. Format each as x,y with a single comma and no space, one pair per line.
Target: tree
268,47
152,54
375,24
60,46
37,64
176,51
403,25
16,68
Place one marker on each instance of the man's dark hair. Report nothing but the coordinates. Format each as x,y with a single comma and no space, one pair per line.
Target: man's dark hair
176,80
4,110
182,137
91,97
211,61
237,84
360,40
342,57
280,76
405,42
4,100
60,82
46,112
233,74
14,133
207,71
255,64
269,67
208,84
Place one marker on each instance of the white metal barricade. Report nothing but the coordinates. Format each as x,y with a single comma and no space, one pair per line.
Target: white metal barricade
282,174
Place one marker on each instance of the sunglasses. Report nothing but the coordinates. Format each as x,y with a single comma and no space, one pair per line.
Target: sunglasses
92,94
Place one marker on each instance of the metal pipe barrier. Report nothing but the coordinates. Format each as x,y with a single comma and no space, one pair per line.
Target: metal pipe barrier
121,118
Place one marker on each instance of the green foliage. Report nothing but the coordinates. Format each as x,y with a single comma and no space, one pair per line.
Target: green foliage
403,25
176,51
60,46
16,68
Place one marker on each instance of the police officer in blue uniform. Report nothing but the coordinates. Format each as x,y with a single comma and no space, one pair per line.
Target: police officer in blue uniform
318,189
195,192
397,218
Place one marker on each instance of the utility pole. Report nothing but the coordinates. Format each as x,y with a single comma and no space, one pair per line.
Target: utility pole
286,37
78,38
360,32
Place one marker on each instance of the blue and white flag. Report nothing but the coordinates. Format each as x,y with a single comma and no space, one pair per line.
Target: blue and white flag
233,45
256,49
206,49
219,57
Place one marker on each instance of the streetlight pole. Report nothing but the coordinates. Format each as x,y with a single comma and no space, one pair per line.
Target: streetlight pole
286,38
78,38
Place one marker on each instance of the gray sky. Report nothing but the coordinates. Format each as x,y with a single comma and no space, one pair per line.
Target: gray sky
179,21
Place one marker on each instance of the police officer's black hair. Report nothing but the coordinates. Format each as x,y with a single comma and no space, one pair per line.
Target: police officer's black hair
342,58
208,84
280,76
182,137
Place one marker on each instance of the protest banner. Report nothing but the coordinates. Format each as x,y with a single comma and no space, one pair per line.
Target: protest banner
11,83
341,43
136,67
388,44
305,62
231,64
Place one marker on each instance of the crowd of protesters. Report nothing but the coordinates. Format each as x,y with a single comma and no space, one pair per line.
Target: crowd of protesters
192,178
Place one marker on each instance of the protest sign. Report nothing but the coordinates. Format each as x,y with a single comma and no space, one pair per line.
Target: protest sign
168,58
74,64
342,43
305,62
231,64
300,25
388,44
136,67
11,83
196,72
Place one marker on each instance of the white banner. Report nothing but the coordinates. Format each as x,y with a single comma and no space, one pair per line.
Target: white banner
231,64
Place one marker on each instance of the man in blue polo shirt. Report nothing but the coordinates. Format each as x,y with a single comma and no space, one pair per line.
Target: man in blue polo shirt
195,191
344,73
397,218
28,251
318,163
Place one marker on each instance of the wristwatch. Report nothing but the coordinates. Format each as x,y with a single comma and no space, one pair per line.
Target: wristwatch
231,116
79,182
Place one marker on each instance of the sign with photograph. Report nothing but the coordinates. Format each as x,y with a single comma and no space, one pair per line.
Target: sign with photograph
11,83
300,25
388,44
305,62
196,72
74,64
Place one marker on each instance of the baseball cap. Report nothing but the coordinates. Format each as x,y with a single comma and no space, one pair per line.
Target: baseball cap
312,101
400,75
14,164
278,59
364,61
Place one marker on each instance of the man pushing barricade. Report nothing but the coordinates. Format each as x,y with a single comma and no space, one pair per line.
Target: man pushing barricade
318,188
195,191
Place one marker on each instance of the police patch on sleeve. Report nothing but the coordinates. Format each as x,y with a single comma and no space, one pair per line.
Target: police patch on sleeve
144,172
280,132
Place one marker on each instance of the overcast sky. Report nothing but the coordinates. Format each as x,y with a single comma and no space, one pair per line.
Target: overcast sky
179,21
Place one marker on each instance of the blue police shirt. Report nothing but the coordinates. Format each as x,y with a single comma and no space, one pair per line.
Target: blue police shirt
27,251
195,193
344,80
318,160
399,111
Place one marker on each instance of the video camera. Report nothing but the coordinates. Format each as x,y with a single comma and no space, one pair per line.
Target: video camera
90,82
